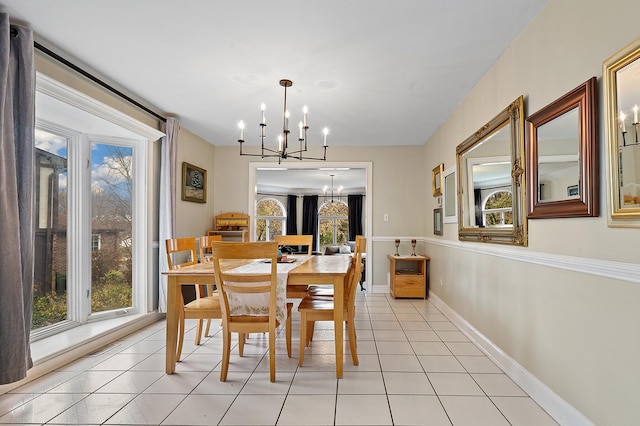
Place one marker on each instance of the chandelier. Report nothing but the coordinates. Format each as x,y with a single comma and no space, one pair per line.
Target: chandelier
282,151
326,189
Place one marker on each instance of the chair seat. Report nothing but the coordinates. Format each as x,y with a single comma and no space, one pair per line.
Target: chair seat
209,305
317,303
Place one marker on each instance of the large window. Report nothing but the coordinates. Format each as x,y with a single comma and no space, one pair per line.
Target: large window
91,236
270,219
333,221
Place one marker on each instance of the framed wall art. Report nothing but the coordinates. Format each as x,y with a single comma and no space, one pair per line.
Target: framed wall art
194,183
436,180
437,221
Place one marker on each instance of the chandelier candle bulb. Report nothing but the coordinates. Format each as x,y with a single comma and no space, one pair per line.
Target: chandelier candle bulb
262,107
241,126
325,131
635,114
300,126
305,110
622,117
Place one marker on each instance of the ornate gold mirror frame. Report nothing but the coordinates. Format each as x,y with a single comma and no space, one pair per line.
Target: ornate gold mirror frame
621,74
489,162
562,156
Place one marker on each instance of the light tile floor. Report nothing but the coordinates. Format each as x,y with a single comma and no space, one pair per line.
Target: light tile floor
416,368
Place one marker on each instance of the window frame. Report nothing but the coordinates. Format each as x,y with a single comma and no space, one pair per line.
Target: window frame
268,219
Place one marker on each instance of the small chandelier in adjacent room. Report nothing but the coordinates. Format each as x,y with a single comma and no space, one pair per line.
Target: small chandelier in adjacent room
282,152
326,190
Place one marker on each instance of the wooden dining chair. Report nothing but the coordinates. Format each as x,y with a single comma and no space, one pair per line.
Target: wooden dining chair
295,240
323,290
298,291
204,246
321,308
230,284
203,307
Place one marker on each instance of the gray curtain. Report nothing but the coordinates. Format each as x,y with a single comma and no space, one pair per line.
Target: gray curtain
167,207
17,162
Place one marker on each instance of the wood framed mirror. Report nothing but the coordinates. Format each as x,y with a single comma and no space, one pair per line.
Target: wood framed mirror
621,75
491,181
562,156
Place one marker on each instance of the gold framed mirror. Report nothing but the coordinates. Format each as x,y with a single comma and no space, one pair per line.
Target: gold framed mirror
491,181
562,156
621,74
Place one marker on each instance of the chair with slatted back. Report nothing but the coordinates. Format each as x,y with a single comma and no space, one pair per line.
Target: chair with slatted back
320,308
298,291
204,245
321,290
234,285
202,307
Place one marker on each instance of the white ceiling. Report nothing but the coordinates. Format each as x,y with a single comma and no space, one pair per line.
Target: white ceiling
373,72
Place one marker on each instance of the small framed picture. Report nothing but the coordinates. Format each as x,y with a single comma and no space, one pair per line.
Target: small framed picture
573,191
194,183
436,180
437,221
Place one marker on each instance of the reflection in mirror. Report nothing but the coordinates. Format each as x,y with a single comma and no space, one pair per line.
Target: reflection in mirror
558,153
561,150
490,181
621,75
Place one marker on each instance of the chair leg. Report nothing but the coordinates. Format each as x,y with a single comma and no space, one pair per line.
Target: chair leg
303,337
199,331
287,329
272,355
311,326
242,337
206,330
226,351
181,326
353,345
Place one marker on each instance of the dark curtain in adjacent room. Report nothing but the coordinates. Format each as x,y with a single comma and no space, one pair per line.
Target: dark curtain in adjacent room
292,215
355,215
310,218
477,196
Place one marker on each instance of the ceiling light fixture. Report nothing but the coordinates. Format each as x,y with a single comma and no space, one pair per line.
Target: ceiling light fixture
283,139
326,189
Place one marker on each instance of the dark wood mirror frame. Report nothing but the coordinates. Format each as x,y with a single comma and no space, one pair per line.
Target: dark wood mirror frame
584,98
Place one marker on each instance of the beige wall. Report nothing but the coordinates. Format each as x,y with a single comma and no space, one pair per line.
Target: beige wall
578,333
194,219
400,182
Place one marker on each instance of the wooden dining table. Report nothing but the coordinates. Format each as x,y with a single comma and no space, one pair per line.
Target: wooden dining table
330,270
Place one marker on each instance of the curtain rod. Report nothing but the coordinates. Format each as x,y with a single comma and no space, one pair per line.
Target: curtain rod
92,78
300,196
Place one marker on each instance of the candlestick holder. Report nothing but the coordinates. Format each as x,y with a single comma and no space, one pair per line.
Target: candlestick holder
397,245
413,245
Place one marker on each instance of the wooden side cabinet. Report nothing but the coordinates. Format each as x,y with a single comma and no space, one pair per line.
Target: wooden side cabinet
232,226
409,276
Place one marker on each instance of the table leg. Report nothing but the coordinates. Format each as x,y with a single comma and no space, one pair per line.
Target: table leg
338,318
172,324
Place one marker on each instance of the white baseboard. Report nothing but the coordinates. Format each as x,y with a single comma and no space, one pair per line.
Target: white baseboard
563,412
